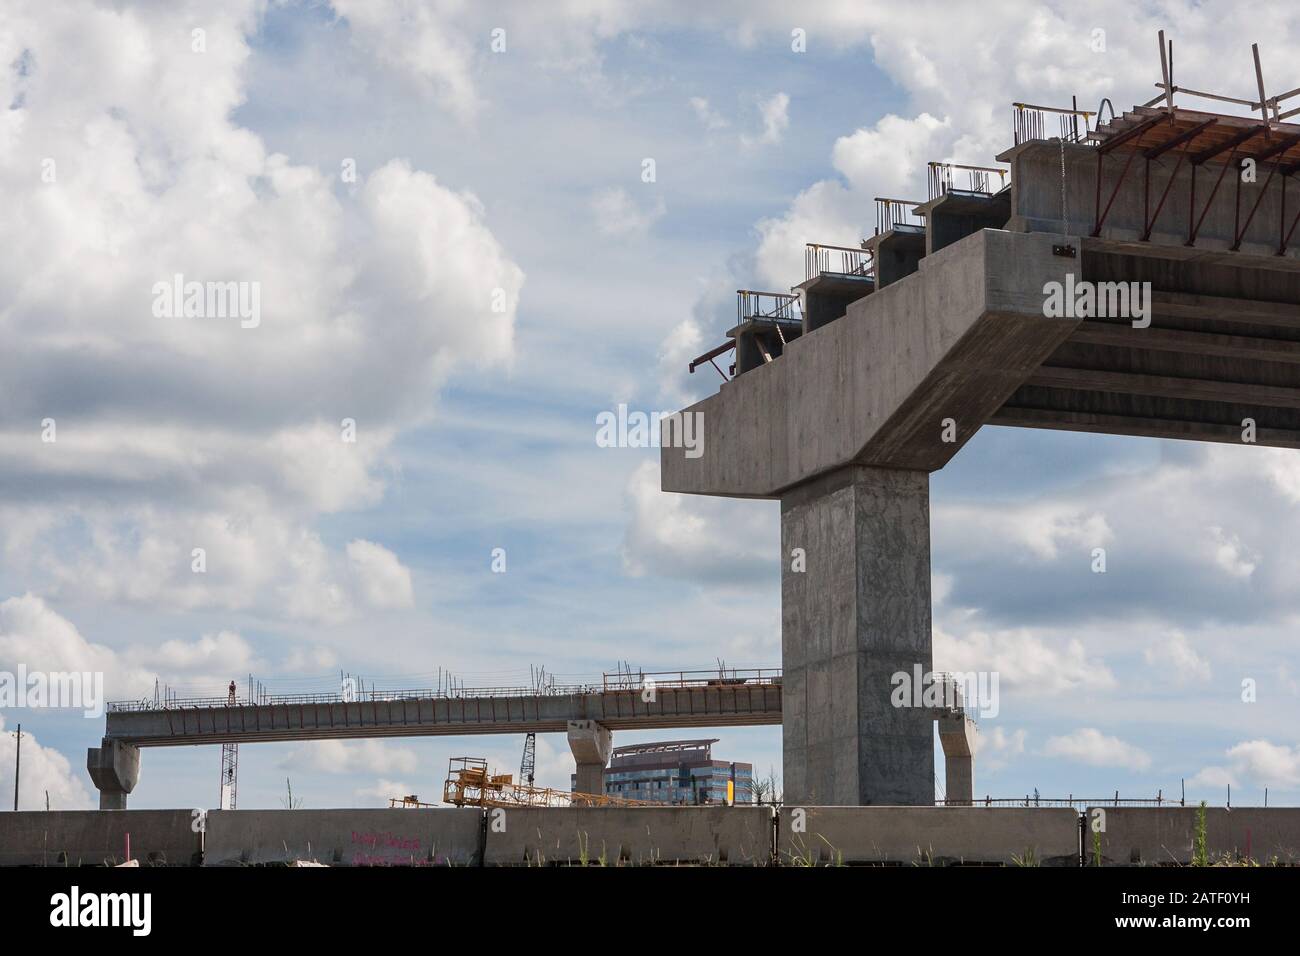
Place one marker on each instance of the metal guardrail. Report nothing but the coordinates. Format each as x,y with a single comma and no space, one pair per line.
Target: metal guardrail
1077,802
1031,122
820,259
978,179
622,681
777,306
893,213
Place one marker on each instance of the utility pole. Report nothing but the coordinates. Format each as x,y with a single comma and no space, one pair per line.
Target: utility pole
18,764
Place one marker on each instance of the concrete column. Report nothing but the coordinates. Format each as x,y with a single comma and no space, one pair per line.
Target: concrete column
856,615
114,768
957,735
591,744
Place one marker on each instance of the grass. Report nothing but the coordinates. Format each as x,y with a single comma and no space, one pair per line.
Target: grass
1028,858
1200,848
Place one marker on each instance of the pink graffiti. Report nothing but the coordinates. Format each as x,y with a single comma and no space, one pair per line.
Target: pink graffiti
386,840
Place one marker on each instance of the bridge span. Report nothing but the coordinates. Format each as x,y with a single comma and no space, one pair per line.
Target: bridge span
622,702
587,713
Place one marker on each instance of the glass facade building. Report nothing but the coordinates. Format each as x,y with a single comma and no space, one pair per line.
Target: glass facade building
676,772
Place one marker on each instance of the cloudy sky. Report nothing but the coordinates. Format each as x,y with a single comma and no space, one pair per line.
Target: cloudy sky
456,250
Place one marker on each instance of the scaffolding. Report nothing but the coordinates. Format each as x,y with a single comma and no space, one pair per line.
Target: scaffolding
469,784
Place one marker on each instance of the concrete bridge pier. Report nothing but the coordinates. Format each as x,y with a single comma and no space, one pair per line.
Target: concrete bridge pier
957,736
591,744
855,611
114,768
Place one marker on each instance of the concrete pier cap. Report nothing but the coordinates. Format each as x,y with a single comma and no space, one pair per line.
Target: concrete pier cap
591,743
114,768
844,430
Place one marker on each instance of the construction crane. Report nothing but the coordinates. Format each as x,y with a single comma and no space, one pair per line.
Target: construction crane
529,763
469,784
229,765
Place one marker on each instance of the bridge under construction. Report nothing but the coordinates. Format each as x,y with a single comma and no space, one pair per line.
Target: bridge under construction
587,714
846,391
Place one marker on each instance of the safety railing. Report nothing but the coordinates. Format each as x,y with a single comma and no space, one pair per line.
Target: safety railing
777,306
820,259
957,177
1077,802
893,214
726,677
1030,122
609,682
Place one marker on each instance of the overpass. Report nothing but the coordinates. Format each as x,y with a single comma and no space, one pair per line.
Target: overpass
587,713
1183,322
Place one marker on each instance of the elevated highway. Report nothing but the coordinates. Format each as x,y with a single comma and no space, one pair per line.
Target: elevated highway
641,702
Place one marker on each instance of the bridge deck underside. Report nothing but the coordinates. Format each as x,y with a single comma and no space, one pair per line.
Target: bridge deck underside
1223,347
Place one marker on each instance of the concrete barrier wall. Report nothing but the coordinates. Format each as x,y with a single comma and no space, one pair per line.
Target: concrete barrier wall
1161,835
1046,836
400,837
97,837
736,836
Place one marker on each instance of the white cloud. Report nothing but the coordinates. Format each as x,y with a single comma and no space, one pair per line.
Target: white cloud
384,581
36,636
1039,530
886,160
1090,746
775,112
1175,655
711,118
1266,763
618,214
371,295
383,790
1259,763
1211,778
889,158
422,41
1023,661
695,537
682,344
997,748
353,756
45,772
1230,554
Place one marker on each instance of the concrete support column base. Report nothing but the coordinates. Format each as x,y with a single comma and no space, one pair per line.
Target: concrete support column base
591,744
957,735
114,768
855,611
